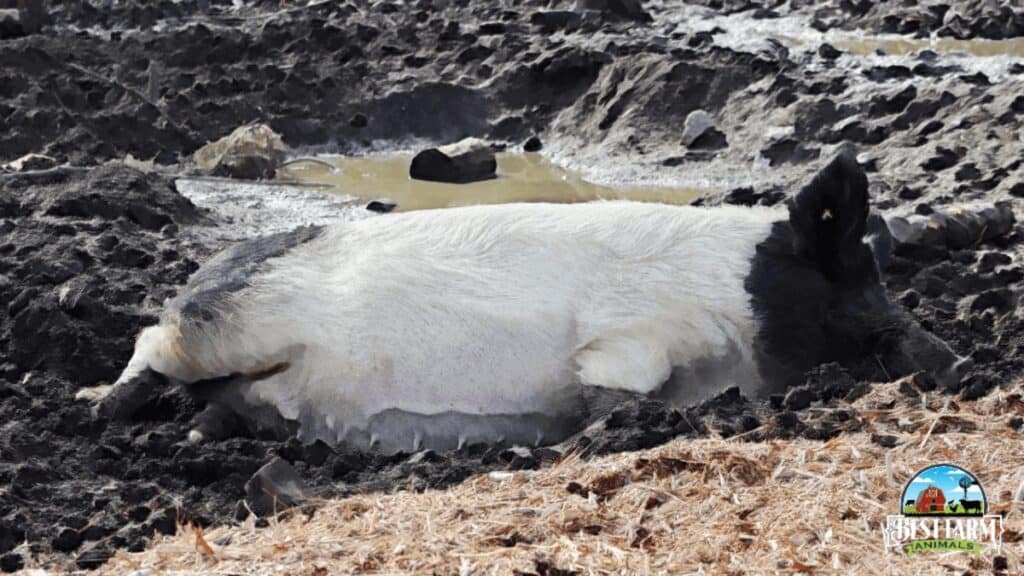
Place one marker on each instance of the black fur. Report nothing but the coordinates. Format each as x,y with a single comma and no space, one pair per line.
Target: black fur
126,398
817,296
829,217
228,410
230,271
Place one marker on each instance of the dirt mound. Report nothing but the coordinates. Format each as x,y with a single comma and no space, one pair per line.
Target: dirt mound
87,258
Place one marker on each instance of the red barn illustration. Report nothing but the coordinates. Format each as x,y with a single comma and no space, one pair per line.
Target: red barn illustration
931,499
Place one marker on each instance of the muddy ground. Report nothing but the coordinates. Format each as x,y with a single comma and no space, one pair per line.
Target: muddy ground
89,251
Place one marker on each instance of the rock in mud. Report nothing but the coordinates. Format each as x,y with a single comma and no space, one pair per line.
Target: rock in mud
743,196
22,17
884,440
11,562
274,488
697,123
789,151
699,132
67,539
32,16
799,398
955,227
828,51
382,205
551,20
251,152
620,9
358,121
468,160
532,144
944,158
10,24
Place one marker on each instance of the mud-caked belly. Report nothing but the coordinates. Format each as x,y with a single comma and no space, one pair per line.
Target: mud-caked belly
397,428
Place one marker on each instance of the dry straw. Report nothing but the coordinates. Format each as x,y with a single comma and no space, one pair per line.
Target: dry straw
709,506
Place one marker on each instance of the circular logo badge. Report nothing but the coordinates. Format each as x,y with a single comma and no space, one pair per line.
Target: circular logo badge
944,490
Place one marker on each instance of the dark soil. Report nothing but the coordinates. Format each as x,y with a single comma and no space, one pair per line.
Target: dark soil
87,256
961,19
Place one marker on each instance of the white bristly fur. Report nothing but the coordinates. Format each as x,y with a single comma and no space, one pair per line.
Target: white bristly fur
480,310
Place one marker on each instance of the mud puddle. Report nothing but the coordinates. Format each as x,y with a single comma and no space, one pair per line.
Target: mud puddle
527,177
740,32
894,45
904,46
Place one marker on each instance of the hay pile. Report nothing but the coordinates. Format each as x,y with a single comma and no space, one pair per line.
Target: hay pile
715,506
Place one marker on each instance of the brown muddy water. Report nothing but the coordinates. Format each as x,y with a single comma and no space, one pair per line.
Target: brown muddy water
526,177
901,46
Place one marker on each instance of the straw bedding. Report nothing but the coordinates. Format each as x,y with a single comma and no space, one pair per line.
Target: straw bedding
712,506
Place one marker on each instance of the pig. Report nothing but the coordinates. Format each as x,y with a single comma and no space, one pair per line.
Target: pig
436,328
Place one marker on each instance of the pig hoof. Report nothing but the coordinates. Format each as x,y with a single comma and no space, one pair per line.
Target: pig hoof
216,422
94,394
107,407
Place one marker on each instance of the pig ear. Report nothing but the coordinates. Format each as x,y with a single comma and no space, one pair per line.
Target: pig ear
879,238
828,217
